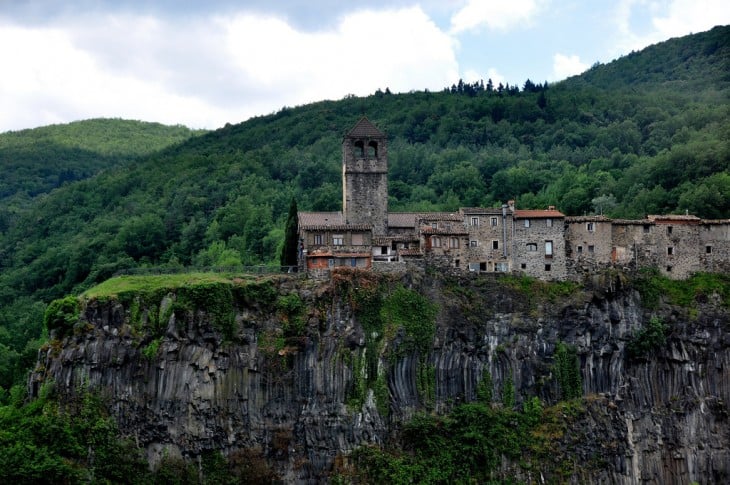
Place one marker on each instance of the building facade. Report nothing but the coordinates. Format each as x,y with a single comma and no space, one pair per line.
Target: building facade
541,243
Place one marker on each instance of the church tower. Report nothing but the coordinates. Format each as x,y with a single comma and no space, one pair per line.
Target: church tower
365,177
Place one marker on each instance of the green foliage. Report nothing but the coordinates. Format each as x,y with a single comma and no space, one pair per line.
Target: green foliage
485,388
508,392
151,349
290,250
647,339
61,315
415,314
291,308
466,446
688,293
566,368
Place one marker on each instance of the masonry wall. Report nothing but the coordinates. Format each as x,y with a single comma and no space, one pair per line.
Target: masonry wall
365,186
535,262
488,242
588,243
678,247
714,251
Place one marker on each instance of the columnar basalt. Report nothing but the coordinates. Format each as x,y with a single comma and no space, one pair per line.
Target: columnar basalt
295,375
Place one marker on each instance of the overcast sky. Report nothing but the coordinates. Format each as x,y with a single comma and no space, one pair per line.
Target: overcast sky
207,63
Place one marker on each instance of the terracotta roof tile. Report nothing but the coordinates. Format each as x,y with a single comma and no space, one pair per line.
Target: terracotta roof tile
673,217
402,219
482,210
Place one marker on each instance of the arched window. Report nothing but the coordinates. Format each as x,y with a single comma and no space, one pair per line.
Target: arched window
359,149
373,149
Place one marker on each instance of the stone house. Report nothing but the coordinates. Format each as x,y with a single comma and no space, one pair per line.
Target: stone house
538,241
541,243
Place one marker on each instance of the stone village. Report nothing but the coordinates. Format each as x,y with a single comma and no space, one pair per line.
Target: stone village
544,244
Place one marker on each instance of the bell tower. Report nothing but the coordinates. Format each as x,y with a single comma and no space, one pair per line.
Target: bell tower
365,177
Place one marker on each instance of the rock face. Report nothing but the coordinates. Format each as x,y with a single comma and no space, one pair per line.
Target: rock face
285,379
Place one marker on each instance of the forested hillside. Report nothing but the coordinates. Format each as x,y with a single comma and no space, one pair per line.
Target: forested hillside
647,133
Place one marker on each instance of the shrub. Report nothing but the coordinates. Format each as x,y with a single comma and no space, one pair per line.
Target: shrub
61,315
647,339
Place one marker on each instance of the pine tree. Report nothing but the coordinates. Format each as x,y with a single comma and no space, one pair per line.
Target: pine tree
290,250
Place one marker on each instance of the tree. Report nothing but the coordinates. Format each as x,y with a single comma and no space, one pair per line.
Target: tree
289,253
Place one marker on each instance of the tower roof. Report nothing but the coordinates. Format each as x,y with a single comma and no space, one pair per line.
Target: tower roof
364,129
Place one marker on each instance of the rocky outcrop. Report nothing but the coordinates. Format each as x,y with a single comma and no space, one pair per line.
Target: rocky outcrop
289,373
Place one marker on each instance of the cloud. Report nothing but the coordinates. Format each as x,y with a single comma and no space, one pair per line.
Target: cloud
495,15
204,71
666,20
566,66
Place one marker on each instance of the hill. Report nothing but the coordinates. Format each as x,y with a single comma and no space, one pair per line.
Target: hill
625,138
36,161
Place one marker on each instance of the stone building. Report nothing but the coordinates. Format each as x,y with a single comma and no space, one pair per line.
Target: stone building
541,243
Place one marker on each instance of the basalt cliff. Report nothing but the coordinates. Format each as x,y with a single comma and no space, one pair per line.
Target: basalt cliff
305,371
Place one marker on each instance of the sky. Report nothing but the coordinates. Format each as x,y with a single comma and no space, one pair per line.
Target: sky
207,63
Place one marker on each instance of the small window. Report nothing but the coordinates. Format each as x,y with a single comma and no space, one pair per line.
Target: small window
474,267
472,243
669,269
548,248
549,222
501,267
474,221
456,263
647,228
434,225
548,267
448,227
454,242
357,240
580,249
670,250
337,240
527,222
435,242
523,265
353,262
669,230
495,244
531,247
708,249
482,266
318,239
383,249
590,227
591,248
495,221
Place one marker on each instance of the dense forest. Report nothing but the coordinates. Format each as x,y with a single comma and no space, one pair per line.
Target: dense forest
647,133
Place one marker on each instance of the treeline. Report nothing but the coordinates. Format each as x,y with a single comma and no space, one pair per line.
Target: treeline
598,143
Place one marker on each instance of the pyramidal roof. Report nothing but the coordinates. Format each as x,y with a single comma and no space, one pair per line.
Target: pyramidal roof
365,129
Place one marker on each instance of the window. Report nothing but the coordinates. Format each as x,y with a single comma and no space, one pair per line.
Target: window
474,267
647,228
456,263
670,251
435,242
548,248
527,222
482,266
495,244
434,225
448,226
353,262
590,227
591,248
548,267
318,239
501,267
472,243
531,247
580,249
669,269
474,221
383,249
669,230
549,222
708,249
494,221
454,242
357,240
337,239
523,265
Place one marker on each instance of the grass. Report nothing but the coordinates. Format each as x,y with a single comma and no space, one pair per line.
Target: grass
121,286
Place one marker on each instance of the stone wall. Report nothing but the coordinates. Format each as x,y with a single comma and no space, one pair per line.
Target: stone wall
530,248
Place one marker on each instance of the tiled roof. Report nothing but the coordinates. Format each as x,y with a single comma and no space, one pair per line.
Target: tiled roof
402,219
409,252
538,214
482,210
441,216
570,219
456,231
386,240
365,129
715,221
671,217
323,221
